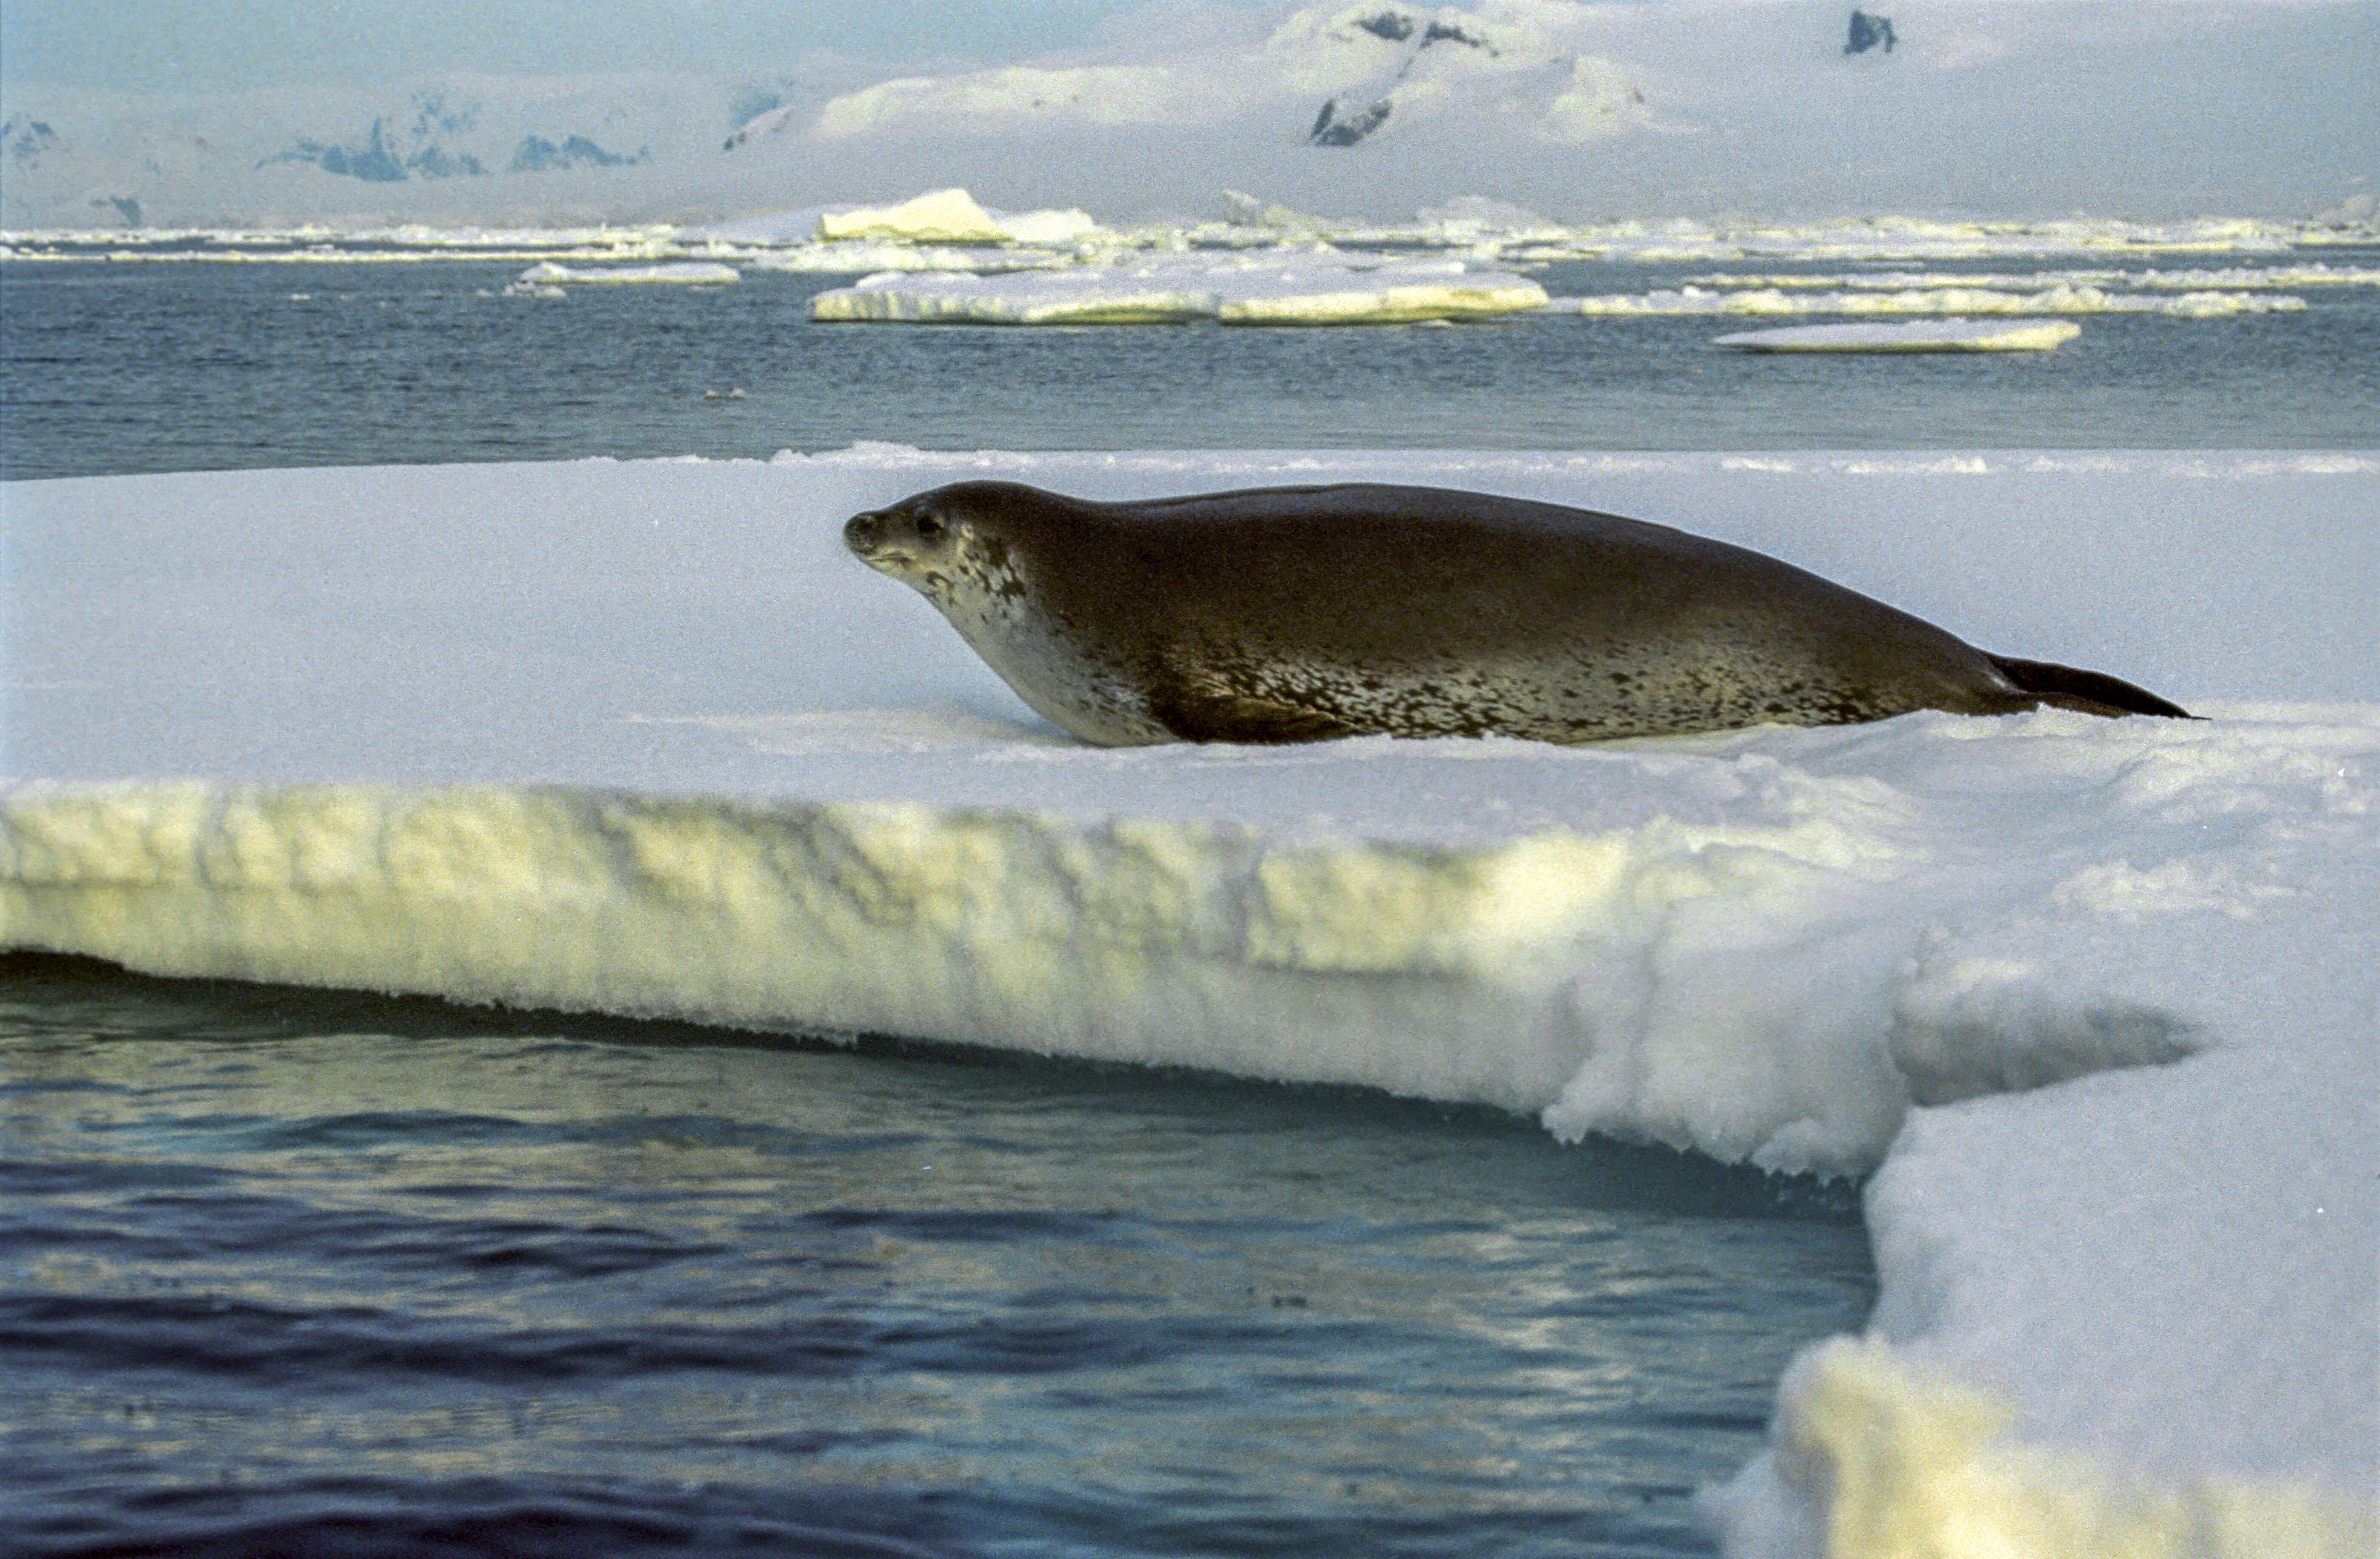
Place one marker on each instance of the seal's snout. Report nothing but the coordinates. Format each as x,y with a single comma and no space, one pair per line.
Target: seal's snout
863,533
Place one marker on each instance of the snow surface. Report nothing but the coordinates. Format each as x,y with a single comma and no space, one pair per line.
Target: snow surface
1945,335
2096,1000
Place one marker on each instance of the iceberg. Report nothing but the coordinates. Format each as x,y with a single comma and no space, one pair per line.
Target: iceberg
938,216
2091,1001
1945,335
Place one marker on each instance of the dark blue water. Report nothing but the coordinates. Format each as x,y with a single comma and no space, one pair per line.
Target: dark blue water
296,1273
195,366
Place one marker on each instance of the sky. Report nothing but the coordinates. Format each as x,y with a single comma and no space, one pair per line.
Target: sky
228,45
2129,107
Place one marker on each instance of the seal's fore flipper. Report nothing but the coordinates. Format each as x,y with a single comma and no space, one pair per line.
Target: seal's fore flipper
1194,710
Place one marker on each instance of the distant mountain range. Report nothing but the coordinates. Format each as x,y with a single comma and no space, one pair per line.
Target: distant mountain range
1585,110
1325,77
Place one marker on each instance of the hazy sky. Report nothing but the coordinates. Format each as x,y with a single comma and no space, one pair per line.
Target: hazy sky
2157,106
212,45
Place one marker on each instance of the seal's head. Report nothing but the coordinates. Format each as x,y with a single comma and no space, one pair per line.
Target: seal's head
914,541
950,543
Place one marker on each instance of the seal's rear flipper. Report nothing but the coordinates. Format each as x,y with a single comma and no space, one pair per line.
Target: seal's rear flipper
2092,692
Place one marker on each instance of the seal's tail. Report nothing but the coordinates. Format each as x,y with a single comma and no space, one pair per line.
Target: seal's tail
2092,692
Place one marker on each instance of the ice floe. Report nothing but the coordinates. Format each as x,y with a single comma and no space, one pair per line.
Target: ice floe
676,274
1309,289
2060,299
2094,999
1935,335
804,237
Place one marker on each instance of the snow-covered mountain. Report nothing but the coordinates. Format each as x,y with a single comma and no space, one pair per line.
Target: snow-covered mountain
1329,75
1578,108
81,159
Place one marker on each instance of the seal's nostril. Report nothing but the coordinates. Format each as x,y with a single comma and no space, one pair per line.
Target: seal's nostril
859,530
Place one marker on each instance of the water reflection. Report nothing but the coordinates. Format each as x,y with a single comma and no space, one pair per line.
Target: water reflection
259,1239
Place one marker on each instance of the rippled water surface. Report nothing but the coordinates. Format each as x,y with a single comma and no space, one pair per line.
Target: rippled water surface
197,366
293,1272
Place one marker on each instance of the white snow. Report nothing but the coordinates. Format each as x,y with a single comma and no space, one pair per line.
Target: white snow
1310,288
2097,999
1943,335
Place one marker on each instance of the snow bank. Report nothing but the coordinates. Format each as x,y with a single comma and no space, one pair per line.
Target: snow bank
1314,288
1947,336
2098,996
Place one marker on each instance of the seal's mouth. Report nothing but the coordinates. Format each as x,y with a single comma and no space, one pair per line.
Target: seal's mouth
864,533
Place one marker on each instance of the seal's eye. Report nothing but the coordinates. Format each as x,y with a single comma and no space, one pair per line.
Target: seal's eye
929,529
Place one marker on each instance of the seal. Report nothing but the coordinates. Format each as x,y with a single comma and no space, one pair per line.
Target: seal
1302,613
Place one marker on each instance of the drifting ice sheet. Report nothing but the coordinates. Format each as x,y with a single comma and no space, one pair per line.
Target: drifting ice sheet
687,273
1947,336
1307,290
2099,995
1938,300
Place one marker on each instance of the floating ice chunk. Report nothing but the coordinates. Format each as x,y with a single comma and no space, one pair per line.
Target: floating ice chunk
938,216
678,273
1943,335
1048,226
1389,297
2237,277
2059,299
866,257
1320,289
1122,296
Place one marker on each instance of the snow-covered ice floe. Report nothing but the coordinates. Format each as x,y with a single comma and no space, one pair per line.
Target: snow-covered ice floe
1942,335
865,257
2059,299
2232,277
951,216
1315,289
684,273
821,238
2097,1001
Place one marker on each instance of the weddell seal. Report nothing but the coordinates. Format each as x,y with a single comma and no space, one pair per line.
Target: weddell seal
1301,613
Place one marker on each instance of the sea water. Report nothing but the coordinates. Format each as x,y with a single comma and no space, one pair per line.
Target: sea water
303,1272
290,1271
203,366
